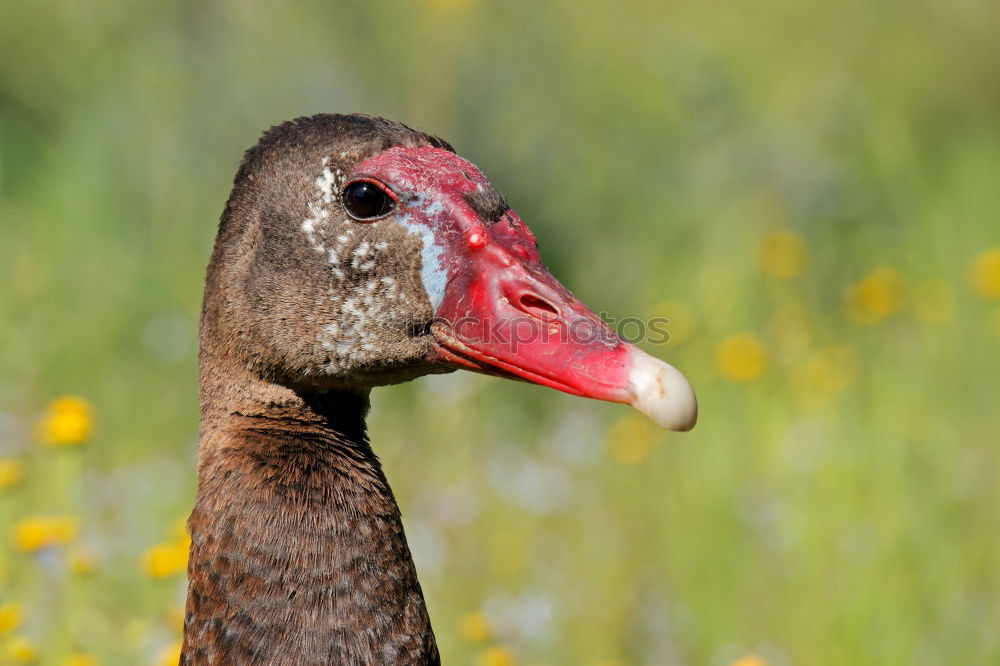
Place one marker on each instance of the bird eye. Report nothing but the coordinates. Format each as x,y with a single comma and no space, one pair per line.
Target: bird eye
365,200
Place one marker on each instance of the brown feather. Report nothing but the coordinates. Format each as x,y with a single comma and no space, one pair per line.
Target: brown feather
298,554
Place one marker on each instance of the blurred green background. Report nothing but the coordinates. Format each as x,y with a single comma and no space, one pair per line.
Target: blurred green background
810,191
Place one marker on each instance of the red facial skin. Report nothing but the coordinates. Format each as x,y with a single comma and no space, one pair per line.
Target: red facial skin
501,312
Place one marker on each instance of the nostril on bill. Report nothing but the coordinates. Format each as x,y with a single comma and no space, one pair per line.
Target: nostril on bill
537,306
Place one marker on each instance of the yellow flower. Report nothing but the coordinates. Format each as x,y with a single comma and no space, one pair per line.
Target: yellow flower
165,559
933,302
169,558
80,659
474,626
170,655
750,660
631,439
81,560
67,421
985,274
11,472
741,357
20,650
496,656
783,255
828,371
673,320
36,532
11,616
876,296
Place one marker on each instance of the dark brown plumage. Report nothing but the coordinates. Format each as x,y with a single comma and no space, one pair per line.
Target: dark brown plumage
298,554
489,204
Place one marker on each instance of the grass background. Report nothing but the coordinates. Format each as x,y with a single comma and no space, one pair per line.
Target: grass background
835,506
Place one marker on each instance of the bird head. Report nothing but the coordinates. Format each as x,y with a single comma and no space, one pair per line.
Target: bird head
373,253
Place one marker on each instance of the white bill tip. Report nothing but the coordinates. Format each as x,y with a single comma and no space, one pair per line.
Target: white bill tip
661,392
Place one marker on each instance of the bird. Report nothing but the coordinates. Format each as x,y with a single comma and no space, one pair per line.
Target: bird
355,252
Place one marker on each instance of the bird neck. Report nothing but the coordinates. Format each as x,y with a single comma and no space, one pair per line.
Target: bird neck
297,548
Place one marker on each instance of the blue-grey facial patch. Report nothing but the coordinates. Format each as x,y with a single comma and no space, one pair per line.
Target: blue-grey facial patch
433,274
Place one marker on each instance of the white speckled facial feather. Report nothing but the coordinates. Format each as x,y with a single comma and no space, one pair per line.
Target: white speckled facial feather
368,303
433,274
327,182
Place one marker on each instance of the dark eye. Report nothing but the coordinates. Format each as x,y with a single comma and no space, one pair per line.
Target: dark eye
367,201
